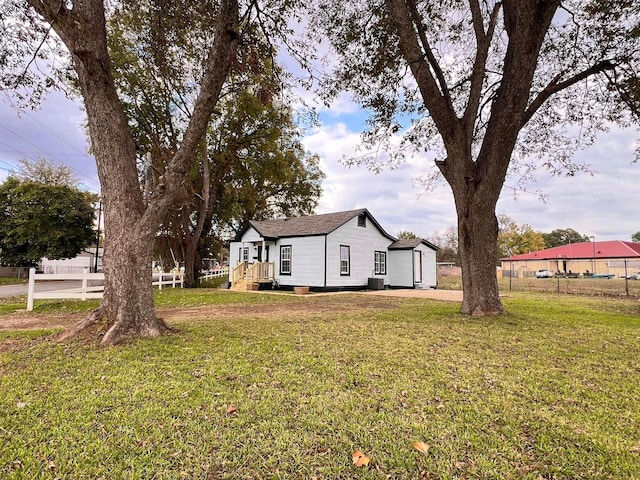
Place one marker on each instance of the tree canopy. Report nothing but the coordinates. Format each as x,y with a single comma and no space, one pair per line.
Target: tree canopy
46,172
563,236
514,239
490,89
447,242
406,234
71,40
43,220
251,163
51,43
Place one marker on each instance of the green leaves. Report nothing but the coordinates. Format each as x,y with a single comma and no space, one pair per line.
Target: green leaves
38,220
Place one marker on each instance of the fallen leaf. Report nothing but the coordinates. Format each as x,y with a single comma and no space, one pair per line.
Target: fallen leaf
360,459
421,447
231,410
634,449
51,465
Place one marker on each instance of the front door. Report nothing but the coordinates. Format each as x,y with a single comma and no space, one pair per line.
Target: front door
266,253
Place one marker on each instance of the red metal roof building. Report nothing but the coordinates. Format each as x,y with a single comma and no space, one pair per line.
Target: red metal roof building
613,257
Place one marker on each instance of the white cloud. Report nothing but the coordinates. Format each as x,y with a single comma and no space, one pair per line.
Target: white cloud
55,132
389,195
604,205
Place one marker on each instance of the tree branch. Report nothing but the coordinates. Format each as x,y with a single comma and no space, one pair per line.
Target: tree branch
435,100
483,42
217,68
556,86
424,41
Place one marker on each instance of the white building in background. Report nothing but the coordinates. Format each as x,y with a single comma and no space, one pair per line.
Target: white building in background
85,259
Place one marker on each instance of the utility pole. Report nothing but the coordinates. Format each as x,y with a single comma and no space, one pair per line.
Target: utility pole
147,178
95,268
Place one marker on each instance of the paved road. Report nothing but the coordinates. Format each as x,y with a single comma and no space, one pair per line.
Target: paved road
21,289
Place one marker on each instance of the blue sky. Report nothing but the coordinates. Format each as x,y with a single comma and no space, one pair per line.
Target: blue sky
603,205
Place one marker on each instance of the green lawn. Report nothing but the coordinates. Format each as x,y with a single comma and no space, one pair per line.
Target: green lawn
549,391
12,280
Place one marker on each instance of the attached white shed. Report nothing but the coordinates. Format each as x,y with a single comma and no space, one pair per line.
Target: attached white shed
414,263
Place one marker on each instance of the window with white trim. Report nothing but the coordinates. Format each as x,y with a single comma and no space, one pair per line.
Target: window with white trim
380,263
345,260
285,260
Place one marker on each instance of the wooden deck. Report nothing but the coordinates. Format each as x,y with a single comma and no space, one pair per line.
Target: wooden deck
248,276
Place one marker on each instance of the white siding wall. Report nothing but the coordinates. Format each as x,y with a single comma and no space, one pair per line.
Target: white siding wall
308,258
363,242
307,261
68,265
401,271
403,263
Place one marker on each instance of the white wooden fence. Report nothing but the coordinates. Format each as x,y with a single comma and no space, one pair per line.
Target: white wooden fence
220,272
86,290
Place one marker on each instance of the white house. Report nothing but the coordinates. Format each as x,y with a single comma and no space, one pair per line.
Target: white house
84,260
335,251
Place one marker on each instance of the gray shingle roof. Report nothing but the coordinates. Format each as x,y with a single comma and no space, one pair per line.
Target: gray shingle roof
304,226
409,243
307,226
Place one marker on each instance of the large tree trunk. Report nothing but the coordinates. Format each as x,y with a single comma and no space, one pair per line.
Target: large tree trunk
476,182
475,198
477,234
127,305
191,266
127,309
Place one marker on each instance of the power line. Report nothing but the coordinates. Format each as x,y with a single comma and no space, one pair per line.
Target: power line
61,153
17,151
46,153
54,133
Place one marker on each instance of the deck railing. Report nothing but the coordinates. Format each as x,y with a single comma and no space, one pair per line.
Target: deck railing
260,271
255,272
238,272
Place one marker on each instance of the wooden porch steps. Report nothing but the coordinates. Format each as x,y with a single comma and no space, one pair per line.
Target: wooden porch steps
246,276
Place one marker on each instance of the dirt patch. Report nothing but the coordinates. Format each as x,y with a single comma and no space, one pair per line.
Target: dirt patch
309,305
444,295
23,320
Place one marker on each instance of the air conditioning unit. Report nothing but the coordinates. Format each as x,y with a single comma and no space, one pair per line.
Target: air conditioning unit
375,283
